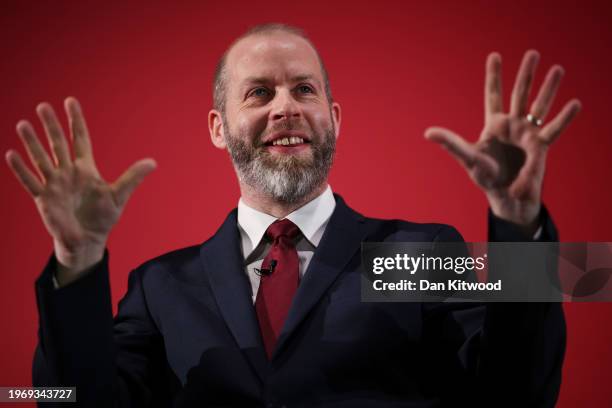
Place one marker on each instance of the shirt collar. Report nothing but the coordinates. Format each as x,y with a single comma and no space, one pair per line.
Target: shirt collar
309,218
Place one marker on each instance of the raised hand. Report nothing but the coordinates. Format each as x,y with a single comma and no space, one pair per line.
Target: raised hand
509,159
78,207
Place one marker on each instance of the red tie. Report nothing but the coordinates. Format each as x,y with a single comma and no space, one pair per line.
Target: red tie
276,289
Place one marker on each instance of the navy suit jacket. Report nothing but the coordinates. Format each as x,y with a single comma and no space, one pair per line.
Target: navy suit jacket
186,333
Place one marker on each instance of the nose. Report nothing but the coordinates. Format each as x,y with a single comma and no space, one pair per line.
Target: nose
284,106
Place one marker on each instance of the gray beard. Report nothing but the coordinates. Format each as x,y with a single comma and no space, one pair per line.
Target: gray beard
287,179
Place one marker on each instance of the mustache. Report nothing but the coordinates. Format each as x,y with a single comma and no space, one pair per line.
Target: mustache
280,126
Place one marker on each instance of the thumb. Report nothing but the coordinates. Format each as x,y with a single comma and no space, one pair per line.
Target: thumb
457,146
124,186
529,178
483,167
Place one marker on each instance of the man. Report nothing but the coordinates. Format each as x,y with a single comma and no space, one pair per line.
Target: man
268,312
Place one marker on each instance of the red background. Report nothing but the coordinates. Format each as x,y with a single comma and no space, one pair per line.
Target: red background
142,72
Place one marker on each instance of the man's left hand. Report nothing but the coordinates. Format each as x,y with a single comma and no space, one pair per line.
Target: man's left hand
509,159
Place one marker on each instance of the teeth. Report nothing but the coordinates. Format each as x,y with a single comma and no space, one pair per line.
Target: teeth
286,141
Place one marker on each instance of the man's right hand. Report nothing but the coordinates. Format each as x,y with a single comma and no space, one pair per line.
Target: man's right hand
77,206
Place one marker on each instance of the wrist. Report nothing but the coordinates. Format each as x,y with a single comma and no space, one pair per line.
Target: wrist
74,262
526,220
525,215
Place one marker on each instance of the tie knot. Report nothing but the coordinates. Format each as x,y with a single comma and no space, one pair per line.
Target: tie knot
282,228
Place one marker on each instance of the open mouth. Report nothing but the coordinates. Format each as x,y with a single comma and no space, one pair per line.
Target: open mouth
288,141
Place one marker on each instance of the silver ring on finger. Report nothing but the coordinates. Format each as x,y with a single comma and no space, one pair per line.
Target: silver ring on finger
534,120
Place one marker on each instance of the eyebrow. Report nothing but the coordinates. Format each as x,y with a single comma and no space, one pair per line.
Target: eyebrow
305,77
263,80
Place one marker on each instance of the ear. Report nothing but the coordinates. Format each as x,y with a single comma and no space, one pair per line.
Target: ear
336,113
215,127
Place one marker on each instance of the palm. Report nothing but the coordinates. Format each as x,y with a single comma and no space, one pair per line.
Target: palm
508,160
513,145
78,206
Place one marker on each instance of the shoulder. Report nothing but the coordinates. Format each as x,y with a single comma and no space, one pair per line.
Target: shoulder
397,230
182,264
185,264
174,258
383,230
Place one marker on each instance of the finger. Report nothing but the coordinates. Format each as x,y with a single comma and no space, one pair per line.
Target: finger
522,85
543,102
130,179
529,175
462,150
55,134
27,179
493,86
78,130
555,127
36,152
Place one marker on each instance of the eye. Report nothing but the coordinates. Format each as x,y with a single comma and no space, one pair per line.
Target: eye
259,92
305,89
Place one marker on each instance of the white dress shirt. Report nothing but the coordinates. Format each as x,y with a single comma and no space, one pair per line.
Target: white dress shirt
311,219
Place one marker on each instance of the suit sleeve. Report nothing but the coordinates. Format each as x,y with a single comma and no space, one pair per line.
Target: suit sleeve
112,362
497,354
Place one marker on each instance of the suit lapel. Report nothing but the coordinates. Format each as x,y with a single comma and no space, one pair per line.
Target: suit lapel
342,238
222,259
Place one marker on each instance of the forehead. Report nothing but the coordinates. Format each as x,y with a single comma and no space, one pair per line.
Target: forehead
275,56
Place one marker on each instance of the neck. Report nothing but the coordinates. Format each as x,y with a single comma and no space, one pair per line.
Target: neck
266,204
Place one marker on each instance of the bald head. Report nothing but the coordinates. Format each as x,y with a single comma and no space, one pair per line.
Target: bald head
221,79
